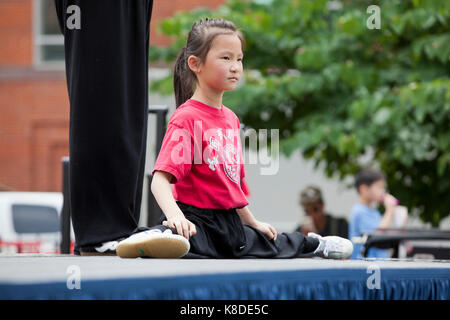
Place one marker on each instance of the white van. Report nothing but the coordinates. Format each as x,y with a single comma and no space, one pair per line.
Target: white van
30,222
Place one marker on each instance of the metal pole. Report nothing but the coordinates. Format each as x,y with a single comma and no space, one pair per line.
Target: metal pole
161,114
65,213
154,212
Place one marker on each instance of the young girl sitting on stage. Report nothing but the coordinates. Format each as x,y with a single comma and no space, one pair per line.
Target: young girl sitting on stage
206,213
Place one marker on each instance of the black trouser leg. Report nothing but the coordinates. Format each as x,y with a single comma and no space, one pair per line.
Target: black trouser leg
221,234
107,79
287,245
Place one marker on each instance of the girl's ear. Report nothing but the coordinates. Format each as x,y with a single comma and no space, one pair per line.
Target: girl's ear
194,64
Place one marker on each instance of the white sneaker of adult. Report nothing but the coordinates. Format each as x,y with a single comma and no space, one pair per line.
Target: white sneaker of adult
107,246
104,249
153,243
332,247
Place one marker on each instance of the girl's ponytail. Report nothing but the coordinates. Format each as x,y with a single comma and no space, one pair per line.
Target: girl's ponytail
183,79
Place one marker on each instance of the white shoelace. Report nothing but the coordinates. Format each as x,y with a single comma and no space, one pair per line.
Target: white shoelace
332,246
326,245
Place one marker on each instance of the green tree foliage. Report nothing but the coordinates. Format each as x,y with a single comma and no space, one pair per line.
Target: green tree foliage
341,92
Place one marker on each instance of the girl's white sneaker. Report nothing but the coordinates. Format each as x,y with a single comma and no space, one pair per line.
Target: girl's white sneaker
153,243
332,247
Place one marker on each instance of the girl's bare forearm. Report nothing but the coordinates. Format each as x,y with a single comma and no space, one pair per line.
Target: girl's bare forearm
163,194
246,216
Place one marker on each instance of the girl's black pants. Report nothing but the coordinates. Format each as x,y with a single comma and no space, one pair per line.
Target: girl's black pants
221,235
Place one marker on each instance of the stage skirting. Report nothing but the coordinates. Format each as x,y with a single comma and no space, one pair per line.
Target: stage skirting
212,279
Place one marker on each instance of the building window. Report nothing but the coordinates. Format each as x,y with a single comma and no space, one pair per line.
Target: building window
48,40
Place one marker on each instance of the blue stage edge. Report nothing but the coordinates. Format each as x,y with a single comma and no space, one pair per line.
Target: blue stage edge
334,283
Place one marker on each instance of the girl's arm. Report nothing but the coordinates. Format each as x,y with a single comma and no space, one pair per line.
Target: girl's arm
162,191
247,218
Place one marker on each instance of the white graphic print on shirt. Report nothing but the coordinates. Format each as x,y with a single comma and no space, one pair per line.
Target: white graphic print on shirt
229,155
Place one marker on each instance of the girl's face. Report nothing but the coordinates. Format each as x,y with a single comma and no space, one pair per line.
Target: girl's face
222,67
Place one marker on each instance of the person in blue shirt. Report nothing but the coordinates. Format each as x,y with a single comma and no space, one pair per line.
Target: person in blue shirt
364,218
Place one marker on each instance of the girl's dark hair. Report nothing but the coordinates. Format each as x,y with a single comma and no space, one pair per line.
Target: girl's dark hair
198,44
367,176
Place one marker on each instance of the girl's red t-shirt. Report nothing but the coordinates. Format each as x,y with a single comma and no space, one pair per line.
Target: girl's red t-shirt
202,150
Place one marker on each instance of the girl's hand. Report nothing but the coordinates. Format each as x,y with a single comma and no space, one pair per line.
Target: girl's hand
183,226
267,229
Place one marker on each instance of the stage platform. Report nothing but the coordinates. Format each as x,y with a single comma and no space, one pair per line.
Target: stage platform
74,277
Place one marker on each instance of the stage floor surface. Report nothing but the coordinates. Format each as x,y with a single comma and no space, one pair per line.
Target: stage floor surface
35,276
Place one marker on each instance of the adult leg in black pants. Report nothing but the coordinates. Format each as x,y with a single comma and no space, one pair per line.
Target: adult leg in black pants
106,52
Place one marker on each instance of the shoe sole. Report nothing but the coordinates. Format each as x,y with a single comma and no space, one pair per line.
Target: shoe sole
337,256
342,255
89,254
164,246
